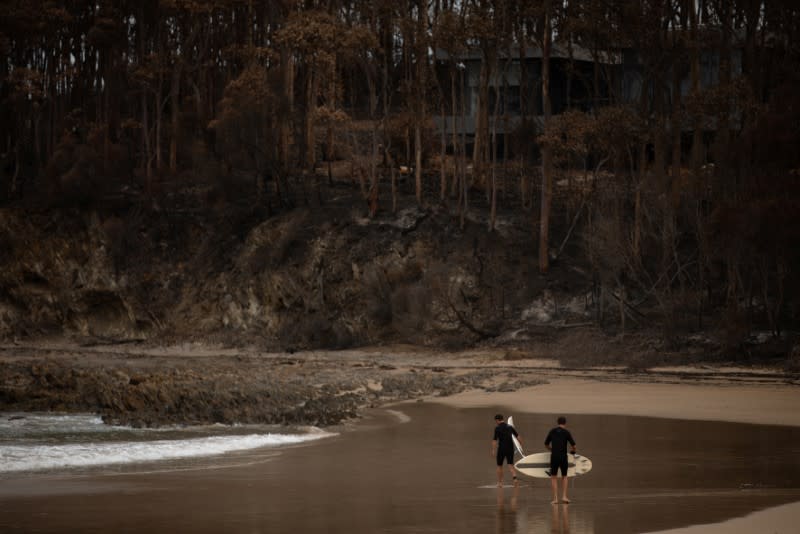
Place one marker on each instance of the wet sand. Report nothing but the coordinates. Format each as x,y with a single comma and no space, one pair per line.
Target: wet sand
433,473
757,404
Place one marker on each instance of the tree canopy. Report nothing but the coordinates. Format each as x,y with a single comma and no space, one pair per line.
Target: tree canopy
691,142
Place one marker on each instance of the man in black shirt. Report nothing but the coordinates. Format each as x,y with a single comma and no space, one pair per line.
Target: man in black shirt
503,447
556,442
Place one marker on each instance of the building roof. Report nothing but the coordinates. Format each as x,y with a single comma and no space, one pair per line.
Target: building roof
558,51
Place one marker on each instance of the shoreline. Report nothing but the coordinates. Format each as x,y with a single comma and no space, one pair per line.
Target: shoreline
734,403
151,386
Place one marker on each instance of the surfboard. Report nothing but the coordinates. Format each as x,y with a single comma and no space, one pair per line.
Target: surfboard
517,445
538,465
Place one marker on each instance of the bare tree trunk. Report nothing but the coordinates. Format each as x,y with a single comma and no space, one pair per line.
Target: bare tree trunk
694,58
660,163
637,206
158,114
387,140
676,127
547,178
443,152
672,190
287,68
15,177
373,173
174,97
701,262
311,152
394,189
493,184
482,117
642,176
463,192
329,151
456,149
422,65
418,161
523,83
148,170
723,120
37,143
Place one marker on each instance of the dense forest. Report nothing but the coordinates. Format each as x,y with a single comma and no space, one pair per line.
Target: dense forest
677,199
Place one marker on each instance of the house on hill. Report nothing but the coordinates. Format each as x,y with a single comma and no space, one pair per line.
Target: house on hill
579,79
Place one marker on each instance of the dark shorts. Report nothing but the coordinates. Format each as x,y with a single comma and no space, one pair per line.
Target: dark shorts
559,463
508,456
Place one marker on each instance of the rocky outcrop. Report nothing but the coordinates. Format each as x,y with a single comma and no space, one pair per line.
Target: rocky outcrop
134,389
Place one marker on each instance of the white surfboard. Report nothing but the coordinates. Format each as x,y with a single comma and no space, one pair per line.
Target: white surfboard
538,465
517,444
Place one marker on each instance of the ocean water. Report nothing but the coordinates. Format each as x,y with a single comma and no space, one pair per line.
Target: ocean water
36,442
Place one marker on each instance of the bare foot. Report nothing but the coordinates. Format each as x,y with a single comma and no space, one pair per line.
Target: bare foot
553,502
565,500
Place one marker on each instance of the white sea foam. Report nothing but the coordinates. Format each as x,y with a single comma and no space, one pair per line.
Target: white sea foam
18,425
39,457
23,447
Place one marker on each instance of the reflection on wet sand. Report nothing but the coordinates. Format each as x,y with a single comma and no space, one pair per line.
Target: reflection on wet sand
526,510
507,512
560,513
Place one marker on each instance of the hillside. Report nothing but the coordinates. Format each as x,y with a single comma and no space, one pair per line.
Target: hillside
316,276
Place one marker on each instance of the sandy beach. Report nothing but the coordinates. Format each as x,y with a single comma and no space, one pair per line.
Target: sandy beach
767,405
758,404
430,468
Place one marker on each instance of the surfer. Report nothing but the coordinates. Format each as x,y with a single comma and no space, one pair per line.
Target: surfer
503,447
556,443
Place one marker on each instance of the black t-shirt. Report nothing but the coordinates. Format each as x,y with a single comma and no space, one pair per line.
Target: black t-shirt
559,437
502,434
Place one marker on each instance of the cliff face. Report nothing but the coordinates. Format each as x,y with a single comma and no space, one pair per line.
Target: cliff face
321,277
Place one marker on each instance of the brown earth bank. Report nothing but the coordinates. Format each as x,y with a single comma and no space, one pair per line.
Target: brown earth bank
194,383
325,274
314,276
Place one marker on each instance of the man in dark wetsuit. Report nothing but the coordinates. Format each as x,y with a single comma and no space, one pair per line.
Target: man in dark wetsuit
556,441
503,447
